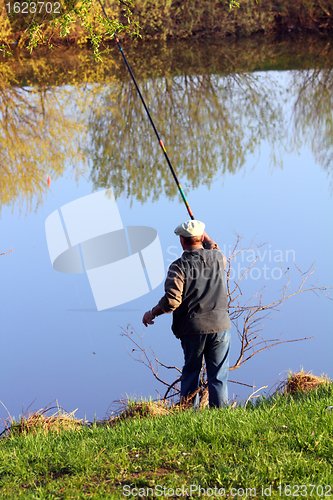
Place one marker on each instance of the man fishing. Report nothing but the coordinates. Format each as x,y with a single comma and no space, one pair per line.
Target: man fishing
195,292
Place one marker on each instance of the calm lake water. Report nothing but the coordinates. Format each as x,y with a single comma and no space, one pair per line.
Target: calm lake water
248,127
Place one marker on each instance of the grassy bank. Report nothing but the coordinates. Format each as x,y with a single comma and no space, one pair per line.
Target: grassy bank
198,19
281,441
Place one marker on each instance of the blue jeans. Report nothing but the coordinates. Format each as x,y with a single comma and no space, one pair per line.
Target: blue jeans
215,347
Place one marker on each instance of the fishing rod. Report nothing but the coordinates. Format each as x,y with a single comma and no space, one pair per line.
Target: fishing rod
151,120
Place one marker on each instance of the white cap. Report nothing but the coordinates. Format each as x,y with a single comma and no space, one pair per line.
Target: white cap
190,228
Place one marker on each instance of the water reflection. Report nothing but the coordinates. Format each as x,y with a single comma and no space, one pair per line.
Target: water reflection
42,125
313,90
210,108
34,142
209,124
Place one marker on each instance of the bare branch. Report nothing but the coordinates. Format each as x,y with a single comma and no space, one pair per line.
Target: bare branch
253,311
171,386
4,253
240,383
253,393
241,361
144,358
248,316
165,366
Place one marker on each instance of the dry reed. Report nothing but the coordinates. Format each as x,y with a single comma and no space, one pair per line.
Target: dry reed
40,421
302,382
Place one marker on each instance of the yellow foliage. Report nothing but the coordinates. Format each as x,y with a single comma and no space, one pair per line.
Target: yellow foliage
86,22
6,35
43,124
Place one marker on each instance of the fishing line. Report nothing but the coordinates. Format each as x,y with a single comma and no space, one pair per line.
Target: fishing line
151,120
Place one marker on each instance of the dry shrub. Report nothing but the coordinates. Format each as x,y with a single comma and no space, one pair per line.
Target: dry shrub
164,19
311,15
302,382
145,409
141,409
129,409
40,421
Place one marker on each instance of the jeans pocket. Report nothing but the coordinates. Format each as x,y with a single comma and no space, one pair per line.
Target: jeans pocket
223,336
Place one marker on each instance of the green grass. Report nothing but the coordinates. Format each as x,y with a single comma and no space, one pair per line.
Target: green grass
276,442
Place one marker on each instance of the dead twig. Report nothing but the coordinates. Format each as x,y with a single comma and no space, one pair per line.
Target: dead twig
5,253
253,393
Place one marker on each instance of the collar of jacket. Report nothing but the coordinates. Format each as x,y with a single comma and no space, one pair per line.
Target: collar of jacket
194,248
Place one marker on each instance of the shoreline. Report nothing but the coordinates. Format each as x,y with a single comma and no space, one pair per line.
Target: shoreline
265,450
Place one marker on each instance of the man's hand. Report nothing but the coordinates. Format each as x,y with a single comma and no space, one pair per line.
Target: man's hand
209,243
206,238
147,318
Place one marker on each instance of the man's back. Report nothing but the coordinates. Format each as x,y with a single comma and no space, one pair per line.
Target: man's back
196,280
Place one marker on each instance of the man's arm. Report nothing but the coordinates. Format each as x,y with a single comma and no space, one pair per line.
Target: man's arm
150,315
210,244
172,298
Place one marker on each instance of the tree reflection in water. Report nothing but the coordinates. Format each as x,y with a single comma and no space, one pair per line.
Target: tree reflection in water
43,124
208,123
211,106
313,113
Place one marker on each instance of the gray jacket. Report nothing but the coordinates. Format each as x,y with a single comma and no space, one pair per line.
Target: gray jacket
195,292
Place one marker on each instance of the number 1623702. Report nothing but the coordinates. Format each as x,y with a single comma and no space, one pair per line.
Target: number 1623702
305,490
33,8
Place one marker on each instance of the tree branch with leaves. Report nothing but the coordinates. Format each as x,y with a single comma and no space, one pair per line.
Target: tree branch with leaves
84,20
